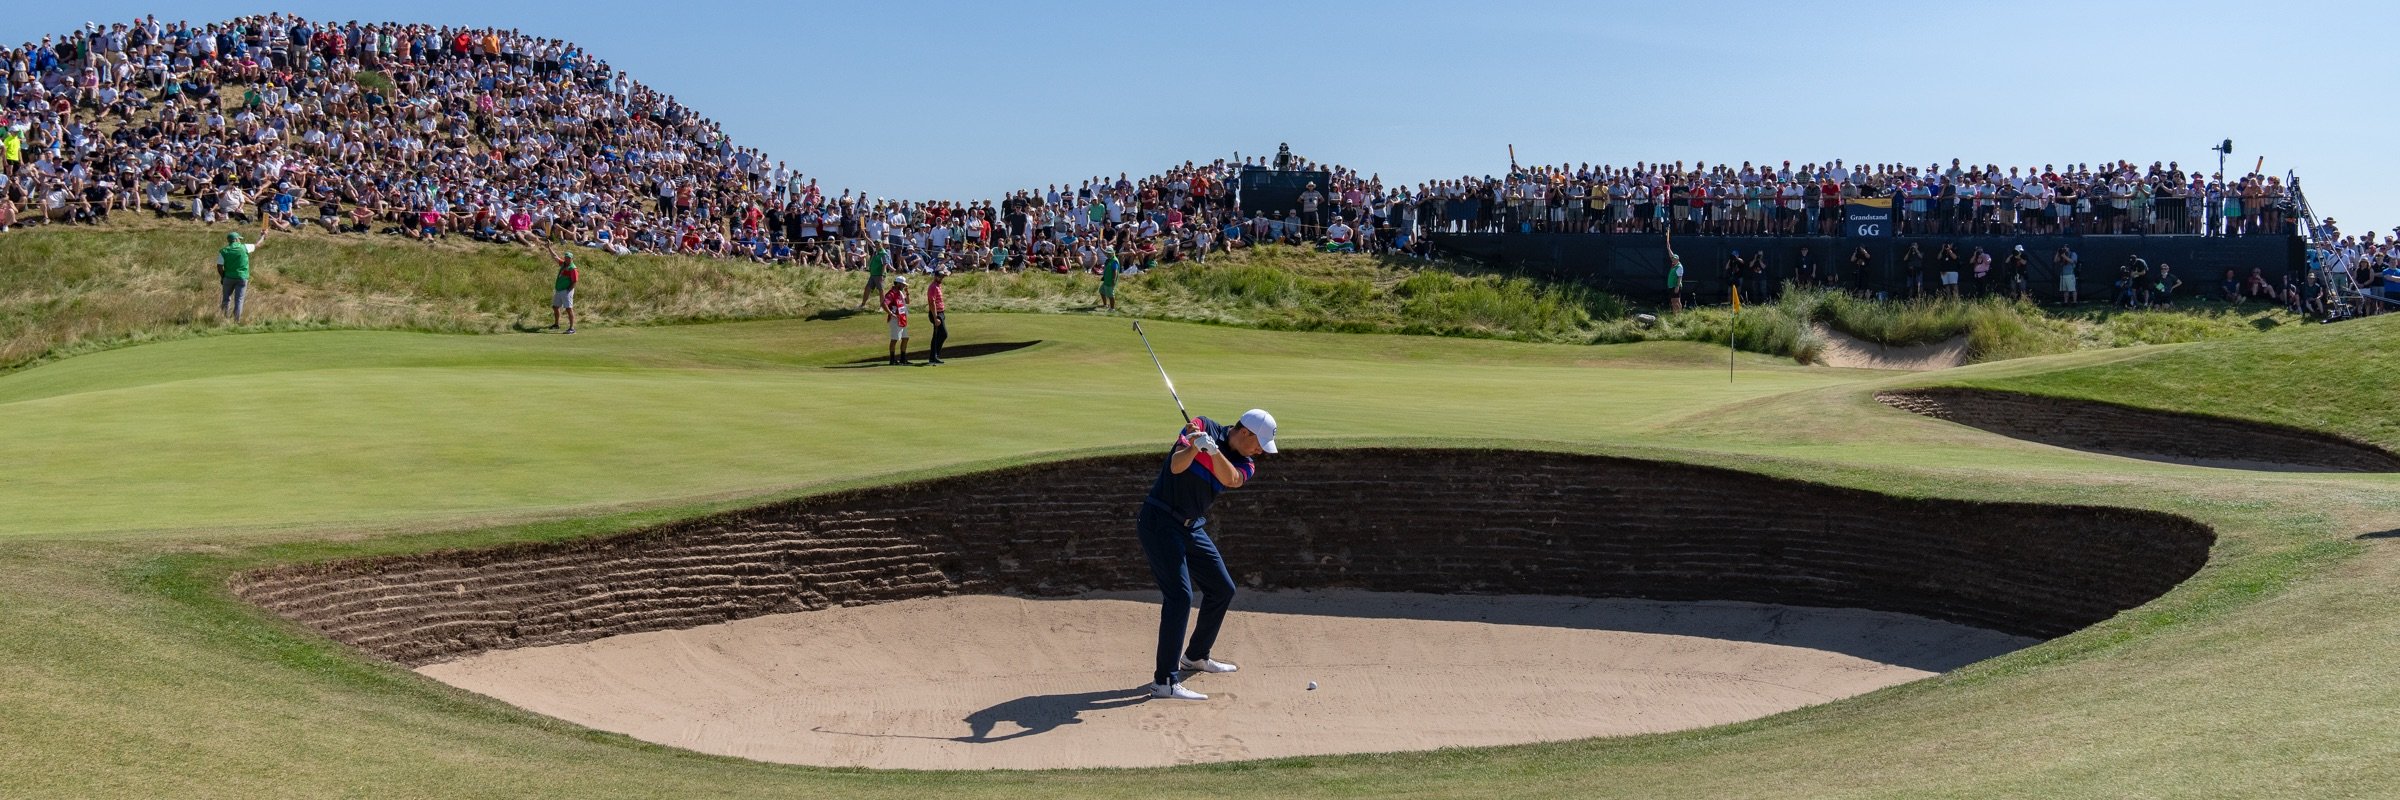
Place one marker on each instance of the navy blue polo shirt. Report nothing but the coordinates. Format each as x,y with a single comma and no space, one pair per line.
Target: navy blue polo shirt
1187,496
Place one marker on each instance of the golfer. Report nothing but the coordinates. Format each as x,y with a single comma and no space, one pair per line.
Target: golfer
233,273
1207,460
562,289
895,314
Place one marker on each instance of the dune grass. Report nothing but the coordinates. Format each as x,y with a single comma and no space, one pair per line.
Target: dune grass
70,290
1997,329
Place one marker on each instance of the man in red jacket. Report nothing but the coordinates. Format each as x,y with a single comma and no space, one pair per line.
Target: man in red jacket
895,313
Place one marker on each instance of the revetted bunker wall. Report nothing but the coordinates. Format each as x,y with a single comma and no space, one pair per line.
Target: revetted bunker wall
2142,433
1462,521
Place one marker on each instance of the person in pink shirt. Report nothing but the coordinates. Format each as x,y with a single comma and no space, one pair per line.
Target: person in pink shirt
937,311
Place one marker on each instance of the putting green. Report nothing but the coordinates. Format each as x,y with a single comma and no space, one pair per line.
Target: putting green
138,479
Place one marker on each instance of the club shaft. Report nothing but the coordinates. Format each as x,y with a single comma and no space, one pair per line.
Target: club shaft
1162,372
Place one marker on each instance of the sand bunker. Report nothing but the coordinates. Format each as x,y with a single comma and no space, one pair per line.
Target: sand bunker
931,568
1845,350
2145,434
984,681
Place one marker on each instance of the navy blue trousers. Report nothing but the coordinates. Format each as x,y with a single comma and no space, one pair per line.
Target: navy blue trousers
1174,551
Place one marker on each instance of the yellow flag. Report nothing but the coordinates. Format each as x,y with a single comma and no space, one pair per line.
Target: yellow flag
1737,299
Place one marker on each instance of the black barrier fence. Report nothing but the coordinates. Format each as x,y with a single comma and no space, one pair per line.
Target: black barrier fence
1810,216
1635,265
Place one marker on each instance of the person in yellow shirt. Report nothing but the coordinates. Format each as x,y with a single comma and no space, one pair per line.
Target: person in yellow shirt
12,145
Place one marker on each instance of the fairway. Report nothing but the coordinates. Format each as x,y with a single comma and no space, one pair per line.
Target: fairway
385,429
142,479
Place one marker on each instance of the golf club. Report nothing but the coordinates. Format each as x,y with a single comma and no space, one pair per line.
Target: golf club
1162,373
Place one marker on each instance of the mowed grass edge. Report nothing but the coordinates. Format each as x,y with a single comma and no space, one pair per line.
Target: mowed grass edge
1718,761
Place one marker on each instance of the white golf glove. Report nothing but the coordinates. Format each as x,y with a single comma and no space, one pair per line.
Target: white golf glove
1203,443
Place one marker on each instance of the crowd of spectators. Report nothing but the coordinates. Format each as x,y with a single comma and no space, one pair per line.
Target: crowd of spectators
416,130
431,132
2369,264
1810,199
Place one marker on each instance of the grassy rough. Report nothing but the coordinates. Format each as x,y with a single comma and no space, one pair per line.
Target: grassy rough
2336,378
65,291
1997,329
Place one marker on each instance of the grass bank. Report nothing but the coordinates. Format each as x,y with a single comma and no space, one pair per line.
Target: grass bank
2333,378
71,290
1996,328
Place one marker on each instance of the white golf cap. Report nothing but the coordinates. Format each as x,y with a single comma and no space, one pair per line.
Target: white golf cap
1262,424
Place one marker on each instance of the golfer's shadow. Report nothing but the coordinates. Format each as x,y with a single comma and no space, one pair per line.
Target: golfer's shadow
1043,713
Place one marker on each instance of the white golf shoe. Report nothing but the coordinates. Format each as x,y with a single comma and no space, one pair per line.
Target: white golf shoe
1174,691
1208,665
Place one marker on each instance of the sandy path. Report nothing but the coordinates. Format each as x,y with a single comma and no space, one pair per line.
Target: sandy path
1002,682
1845,350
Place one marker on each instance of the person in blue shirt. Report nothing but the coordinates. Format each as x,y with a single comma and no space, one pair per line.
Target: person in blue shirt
1207,460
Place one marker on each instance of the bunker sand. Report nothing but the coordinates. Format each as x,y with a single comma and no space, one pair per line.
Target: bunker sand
987,681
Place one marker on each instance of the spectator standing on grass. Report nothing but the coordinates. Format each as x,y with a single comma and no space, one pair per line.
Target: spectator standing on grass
1912,268
233,273
937,311
1674,278
2017,266
1947,262
895,317
1861,263
2065,261
876,256
1108,280
1732,273
562,289
1981,265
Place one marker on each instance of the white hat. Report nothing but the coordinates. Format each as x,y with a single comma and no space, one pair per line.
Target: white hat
1261,424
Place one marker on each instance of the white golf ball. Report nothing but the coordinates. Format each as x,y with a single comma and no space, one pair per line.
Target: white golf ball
1312,686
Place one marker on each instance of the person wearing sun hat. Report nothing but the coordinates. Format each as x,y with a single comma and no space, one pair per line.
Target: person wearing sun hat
1172,527
895,315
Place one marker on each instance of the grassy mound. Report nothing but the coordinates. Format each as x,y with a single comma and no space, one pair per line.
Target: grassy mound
1996,328
2337,379
65,291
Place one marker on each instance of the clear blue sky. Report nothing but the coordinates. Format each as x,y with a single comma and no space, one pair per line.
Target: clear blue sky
940,99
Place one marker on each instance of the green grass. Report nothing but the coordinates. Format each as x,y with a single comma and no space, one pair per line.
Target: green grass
1997,329
140,477
71,290
2339,378
68,291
